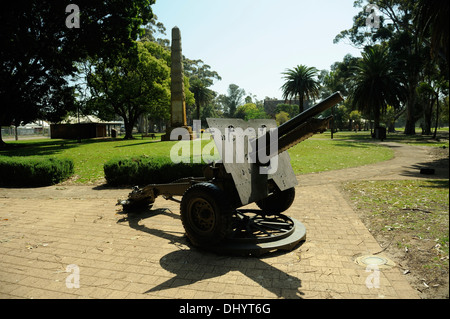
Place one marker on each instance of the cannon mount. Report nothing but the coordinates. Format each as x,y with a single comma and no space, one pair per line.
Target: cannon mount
211,207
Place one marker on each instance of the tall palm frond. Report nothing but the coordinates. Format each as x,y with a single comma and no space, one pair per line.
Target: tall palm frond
301,82
376,83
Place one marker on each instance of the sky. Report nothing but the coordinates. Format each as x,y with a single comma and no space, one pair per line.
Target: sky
250,43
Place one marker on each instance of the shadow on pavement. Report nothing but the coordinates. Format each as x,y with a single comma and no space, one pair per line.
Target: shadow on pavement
190,265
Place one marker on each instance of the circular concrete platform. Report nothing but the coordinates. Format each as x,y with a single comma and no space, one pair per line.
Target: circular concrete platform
289,233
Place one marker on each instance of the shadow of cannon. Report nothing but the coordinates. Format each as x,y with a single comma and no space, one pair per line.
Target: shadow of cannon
191,265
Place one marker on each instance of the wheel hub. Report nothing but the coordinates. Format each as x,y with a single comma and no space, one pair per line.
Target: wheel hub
202,215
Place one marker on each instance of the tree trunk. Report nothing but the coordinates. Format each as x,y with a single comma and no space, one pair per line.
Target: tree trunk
141,125
428,117
130,118
376,121
128,127
128,130
437,115
146,121
391,127
410,126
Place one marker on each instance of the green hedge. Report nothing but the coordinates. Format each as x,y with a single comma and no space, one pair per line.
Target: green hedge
148,170
34,171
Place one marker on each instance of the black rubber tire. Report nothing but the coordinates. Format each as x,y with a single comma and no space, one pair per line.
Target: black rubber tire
278,202
206,214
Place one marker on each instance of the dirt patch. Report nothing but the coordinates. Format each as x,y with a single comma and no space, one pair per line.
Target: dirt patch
409,219
421,260
440,157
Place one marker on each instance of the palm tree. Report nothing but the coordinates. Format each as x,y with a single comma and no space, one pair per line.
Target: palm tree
376,83
202,94
301,82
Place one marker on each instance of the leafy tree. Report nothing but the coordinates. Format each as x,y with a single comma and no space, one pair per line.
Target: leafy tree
301,82
38,51
399,32
427,97
152,32
441,87
376,83
232,100
390,117
162,52
356,117
137,84
250,111
338,78
444,111
198,69
210,110
256,114
198,75
243,110
290,109
201,77
431,19
60,102
341,119
202,94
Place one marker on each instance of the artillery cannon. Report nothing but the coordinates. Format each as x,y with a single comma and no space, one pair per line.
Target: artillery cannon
211,206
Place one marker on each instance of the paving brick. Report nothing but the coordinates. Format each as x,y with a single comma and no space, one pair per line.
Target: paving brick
118,294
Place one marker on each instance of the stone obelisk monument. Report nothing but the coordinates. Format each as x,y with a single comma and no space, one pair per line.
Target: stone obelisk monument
178,98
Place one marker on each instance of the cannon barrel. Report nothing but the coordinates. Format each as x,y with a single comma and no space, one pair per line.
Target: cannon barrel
300,128
310,113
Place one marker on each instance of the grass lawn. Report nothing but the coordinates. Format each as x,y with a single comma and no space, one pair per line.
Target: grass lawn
418,139
90,155
314,155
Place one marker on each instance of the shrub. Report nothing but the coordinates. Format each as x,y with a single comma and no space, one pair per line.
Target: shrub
33,171
282,117
148,170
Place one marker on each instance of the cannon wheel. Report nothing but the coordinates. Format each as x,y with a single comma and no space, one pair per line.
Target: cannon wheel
278,202
206,215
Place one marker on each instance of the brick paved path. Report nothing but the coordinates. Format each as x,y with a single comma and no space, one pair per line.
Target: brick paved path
43,231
